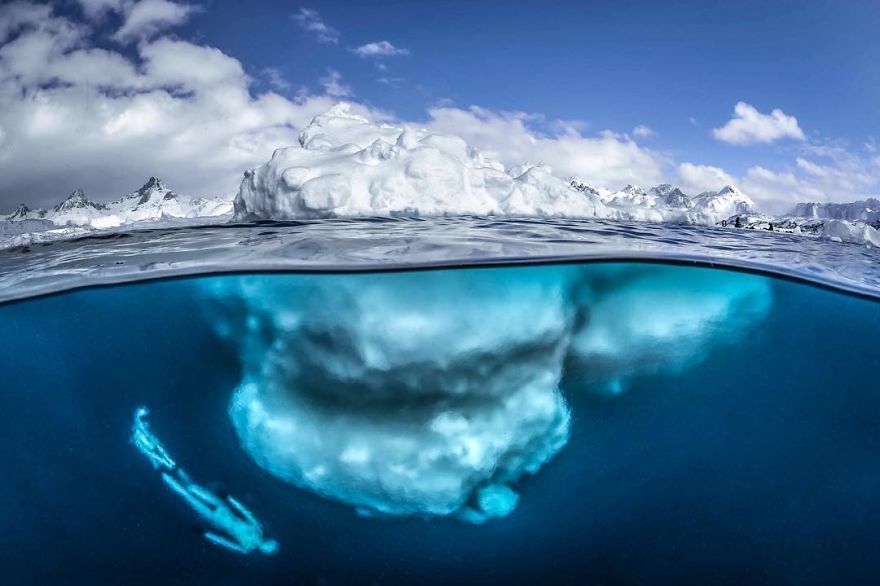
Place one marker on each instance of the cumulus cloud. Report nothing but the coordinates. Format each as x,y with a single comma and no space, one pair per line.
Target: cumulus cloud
379,49
749,126
146,18
78,115
14,15
642,131
309,20
831,173
606,158
98,8
699,178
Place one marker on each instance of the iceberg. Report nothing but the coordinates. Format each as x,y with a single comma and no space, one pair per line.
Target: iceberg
852,232
345,165
437,393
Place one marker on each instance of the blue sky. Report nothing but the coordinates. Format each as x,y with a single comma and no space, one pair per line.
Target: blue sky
678,69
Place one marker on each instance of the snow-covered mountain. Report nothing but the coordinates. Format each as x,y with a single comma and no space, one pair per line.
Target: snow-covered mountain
152,202
671,196
725,203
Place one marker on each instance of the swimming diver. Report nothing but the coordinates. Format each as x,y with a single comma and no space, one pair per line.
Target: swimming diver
148,444
233,526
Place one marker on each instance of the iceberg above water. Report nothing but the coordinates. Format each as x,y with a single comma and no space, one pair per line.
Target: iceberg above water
437,393
347,166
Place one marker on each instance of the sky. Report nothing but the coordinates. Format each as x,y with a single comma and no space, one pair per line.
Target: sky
777,97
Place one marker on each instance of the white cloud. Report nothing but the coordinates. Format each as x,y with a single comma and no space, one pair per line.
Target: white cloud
310,21
832,173
146,18
76,115
276,79
749,126
607,159
17,14
379,49
643,131
693,120
95,9
333,86
699,178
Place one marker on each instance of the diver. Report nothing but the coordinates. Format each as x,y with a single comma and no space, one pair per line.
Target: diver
232,525
236,528
148,444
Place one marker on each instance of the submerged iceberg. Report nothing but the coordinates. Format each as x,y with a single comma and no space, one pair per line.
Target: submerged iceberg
395,393
436,393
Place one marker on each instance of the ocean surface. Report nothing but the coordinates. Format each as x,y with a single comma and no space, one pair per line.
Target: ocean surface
512,402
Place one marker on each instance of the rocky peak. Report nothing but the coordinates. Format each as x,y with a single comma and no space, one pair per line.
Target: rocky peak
153,185
76,201
579,185
672,196
20,212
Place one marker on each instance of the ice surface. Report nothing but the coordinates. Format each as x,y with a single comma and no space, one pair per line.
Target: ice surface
853,232
436,393
347,166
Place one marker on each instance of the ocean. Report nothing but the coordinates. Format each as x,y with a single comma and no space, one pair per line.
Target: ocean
601,422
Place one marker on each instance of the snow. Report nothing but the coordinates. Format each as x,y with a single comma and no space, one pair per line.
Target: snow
347,166
436,397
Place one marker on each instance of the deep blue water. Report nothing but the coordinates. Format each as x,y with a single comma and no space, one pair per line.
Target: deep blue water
754,463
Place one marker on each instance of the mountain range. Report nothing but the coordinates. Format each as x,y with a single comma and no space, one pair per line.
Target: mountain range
152,201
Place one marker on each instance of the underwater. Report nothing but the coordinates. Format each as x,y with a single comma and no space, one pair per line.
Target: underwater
603,421
453,293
